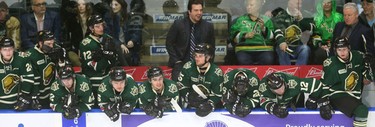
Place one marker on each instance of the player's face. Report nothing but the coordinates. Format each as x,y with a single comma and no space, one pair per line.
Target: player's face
118,85
157,82
253,7
279,91
367,8
7,53
116,7
68,82
200,59
343,53
81,6
327,5
195,14
98,29
350,16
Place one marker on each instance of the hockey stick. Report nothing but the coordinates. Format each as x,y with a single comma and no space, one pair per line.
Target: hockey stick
198,91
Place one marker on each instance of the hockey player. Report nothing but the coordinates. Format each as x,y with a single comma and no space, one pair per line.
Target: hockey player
345,74
158,93
240,91
200,82
44,58
97,52
16,76
279,90
71,93
117,94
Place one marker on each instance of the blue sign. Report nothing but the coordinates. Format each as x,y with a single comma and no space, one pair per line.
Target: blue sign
76,122
158,50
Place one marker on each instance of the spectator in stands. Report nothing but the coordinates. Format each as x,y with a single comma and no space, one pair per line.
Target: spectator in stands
252,34
185,34
97,52
280,90
289,24
346,82
9,25
359,35
367,17
17,77
117,21
44,57
39,19
200,82
71,93
240,91
158,94
325,20
118,93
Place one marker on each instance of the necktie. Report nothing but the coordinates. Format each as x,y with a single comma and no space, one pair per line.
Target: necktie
346,32
192,42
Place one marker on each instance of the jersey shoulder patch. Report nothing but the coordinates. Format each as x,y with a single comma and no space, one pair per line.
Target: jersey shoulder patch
102,88
86,41
84,86
327,62
54,86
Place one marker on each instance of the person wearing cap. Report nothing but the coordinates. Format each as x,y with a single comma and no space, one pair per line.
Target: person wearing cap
280,90
157,92
200,82
117,94
45,58
71,93
346,73
16,74
39,19
240,91
9,25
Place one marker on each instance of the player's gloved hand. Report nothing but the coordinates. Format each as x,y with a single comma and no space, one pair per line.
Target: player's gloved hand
311,103
241,110
35,105
153,111
194,100
163,102
56,54
111,110
370,61
23,103
97,55
71,112
204,108
277,110
125,107
230,97
325,108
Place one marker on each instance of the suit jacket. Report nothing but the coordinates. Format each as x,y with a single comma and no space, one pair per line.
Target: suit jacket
178,39
361,38
29,28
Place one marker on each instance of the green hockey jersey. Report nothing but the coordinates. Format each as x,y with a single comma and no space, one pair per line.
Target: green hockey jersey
251,99
17,77
346,78
294,87
107,94
147,94
81,89
211,81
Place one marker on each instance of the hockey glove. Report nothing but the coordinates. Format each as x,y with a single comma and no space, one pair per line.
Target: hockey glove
71,113
97,55
125,107
204,108
277,110
230,97
241,110
153,111
35,105
23,103
311,103
111,110
163,102
194,100
325,108
56,54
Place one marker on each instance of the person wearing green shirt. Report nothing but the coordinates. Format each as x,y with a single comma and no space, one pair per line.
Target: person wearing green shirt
157,93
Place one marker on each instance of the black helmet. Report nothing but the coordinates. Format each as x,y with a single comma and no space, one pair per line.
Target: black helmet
94,19
341,42
66,72
274,81
241,84
154,71
6,42
117,74
203,48
44,35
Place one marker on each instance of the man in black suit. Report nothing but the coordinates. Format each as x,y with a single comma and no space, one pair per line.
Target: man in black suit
184,34
360,37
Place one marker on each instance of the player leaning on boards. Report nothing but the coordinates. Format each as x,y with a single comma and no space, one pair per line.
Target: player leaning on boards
158,94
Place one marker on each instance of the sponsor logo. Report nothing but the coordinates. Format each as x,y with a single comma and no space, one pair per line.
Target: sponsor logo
130,71
314,72
291,71
230,69
220,50
210,17
158,50
167,18
215,17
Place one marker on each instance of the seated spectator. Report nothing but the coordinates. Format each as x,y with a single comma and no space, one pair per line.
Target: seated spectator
9,25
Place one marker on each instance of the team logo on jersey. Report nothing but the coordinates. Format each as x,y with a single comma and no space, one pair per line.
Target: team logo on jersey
142,89
102,88
54,86
84,87
173,88
327,62
262,87
218,72
9,82
48,74
86,41
134,91
187,65
351,81
253,82
292,83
